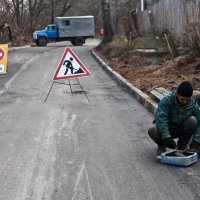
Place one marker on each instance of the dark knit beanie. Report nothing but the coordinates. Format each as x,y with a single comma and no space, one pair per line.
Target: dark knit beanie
185,89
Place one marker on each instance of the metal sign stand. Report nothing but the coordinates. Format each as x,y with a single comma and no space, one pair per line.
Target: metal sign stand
70,85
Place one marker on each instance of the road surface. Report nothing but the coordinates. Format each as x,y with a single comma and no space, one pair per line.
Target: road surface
68,148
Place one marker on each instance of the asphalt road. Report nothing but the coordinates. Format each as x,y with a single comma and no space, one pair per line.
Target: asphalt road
68,148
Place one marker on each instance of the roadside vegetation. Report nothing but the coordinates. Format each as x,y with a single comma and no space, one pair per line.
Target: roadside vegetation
147,63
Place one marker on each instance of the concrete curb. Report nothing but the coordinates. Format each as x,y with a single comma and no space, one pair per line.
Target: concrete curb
15,48
141,97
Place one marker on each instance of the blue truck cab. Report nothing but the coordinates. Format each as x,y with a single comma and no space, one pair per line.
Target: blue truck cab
43,36
52,31
75,29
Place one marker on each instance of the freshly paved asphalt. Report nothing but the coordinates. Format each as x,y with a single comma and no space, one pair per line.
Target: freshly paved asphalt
68,148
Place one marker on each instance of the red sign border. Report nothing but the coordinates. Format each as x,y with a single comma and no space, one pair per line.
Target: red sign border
3,54
87,73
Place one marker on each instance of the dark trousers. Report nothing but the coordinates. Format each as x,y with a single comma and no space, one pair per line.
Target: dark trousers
183,132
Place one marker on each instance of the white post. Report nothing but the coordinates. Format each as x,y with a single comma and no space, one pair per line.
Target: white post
142,5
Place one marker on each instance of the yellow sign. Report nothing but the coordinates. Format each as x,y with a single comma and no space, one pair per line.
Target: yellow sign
3,58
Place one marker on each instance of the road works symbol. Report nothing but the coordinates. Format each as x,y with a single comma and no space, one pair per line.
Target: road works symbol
70,67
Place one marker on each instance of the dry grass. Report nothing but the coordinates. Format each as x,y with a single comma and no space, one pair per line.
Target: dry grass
148,72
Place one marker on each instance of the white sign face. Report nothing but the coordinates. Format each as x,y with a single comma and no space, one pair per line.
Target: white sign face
2,68
70,67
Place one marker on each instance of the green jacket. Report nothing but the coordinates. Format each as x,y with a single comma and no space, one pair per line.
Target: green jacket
170,113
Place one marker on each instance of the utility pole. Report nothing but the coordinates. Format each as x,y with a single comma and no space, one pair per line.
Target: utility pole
142,5
150,15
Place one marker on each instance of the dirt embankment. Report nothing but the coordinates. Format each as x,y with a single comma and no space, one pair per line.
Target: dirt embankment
147,71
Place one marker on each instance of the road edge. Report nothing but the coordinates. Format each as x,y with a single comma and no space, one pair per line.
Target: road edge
141,97
20,47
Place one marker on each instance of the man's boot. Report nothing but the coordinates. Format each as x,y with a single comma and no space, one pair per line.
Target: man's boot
161,149
182,147
154,135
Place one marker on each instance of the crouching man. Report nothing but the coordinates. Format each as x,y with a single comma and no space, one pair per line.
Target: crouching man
177,116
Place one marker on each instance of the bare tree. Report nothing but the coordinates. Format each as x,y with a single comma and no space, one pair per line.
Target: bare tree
35,8
5,11
18,11
65,6
58,7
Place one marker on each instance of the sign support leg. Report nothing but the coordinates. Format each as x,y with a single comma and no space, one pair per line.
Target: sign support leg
83,90
70,87
48,92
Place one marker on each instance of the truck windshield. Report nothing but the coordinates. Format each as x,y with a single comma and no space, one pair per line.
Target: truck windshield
50,28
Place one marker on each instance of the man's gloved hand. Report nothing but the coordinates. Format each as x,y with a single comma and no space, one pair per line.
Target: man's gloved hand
195,146
169,142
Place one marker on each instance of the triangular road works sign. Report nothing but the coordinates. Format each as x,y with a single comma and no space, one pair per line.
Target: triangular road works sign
70,67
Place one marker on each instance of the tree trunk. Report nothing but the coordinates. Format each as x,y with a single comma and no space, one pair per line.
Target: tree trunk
9,33
16,5
108,31
115,12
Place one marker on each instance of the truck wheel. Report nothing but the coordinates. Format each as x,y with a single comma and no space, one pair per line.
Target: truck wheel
79,41
36,42
42,41
73,42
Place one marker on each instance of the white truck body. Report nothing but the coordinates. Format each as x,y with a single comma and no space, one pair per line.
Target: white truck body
78,26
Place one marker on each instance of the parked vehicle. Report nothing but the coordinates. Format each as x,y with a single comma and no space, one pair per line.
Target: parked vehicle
75,29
